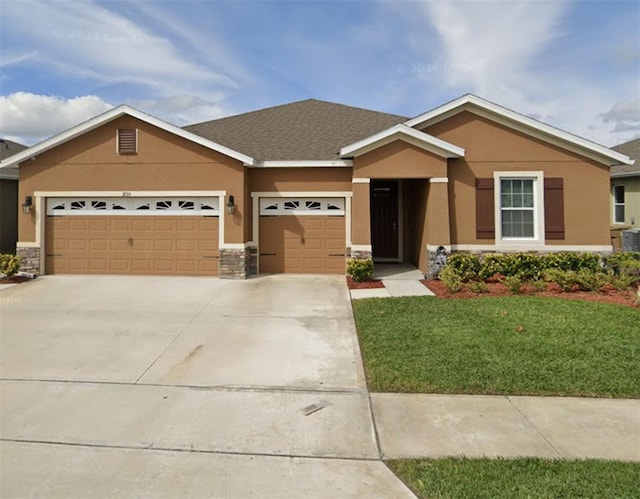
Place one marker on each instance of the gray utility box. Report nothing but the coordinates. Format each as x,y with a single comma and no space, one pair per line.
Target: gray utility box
631,240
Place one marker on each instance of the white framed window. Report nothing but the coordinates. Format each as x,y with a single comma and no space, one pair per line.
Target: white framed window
618,204
519,207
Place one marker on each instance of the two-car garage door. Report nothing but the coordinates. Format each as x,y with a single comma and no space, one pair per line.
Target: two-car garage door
159,236
302,235
180,236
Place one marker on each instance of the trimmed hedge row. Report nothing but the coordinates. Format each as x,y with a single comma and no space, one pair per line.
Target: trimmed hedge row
587,271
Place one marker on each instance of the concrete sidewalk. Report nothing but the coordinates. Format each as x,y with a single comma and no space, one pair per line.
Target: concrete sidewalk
416,425
399,279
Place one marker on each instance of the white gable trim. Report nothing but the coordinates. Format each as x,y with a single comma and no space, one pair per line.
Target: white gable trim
521,123
111,115
407,134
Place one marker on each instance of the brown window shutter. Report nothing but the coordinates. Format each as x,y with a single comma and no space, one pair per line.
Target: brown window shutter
554,208
127,141
485,216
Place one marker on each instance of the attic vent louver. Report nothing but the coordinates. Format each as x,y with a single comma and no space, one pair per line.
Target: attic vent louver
127,141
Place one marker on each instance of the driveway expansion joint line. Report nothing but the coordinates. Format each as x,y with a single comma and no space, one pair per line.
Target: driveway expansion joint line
538,431
194,451
215,295
374,426
222,388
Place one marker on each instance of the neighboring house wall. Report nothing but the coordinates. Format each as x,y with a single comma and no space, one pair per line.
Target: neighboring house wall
8,215
631,187
491,147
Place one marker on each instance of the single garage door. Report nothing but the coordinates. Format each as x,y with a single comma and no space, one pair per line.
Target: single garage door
302,235
147,236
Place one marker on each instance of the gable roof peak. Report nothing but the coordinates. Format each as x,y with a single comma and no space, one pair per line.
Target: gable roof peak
521,123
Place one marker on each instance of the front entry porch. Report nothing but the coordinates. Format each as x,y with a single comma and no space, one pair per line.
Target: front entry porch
408,217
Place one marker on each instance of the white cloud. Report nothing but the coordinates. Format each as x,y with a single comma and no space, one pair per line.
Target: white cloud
101,49
183,109
625,115
503,51
487,45
29,118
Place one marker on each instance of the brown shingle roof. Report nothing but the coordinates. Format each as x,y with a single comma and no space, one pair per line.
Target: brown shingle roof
9,148
631,149
305,130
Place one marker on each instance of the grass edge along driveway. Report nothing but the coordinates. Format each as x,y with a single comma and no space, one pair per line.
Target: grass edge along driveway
499,345
522,477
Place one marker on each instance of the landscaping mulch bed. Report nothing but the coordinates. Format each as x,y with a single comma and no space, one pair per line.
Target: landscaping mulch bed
607,294
368,284
16,279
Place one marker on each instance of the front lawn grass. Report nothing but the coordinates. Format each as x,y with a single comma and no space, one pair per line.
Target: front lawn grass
517,478
507,345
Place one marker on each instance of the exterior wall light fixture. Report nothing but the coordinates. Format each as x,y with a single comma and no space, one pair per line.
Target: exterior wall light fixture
26,206
231,207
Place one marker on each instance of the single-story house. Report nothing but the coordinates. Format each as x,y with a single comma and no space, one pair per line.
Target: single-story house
625,186
9,198
302,187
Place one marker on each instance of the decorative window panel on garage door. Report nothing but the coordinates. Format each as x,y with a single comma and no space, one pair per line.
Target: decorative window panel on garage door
302,206
156,206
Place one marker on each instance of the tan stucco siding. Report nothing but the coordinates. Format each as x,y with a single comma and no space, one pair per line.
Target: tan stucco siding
585,186
486,140
300,179
361,213
492,147
631,199
399,160
164,162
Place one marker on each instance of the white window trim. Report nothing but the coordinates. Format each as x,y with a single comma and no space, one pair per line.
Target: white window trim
538,212
613,193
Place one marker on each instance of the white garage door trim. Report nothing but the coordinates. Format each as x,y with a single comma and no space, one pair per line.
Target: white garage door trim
257,196
41,203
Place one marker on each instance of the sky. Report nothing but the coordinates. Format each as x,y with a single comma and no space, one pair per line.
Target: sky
574,64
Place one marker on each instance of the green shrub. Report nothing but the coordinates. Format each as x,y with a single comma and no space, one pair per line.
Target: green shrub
465,265
526,265
451,280
617,260
477,287
539,285
571,261
513,283
565,279
588,280
491,265
621,281
360,270
9,264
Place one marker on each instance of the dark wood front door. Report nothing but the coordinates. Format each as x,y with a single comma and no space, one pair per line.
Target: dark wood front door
384,219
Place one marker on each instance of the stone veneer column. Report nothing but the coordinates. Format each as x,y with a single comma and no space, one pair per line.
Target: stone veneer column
234,263
30,259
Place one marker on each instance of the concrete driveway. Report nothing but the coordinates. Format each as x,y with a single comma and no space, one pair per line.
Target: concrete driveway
185,387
